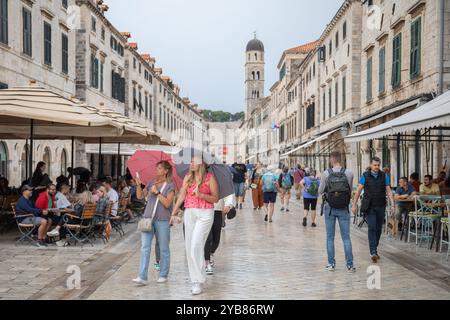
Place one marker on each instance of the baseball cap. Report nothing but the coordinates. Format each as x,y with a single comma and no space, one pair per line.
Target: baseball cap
27,188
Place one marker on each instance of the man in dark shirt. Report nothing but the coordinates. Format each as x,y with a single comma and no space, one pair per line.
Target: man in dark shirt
25,206
239,178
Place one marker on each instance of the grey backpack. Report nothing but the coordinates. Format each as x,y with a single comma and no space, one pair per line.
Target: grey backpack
338,190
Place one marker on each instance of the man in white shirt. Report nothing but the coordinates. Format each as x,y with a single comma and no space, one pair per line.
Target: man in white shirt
61,197
113,196
221,209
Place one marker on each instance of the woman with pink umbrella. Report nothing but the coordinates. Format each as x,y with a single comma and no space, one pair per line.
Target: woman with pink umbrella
160,192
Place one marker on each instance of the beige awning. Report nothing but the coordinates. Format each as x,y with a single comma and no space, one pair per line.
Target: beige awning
435,113
319,138
56,117
48,110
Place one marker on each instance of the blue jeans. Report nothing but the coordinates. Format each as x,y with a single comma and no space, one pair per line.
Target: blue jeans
238,189
343,217
375,218
162,231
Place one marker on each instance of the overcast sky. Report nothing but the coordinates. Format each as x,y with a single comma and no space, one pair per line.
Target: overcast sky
201,43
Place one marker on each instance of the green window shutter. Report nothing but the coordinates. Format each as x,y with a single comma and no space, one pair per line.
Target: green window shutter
415,48
27,32
382,70
369,79
96,73
397,61
92,71
344,89
102,67
4,21
336,97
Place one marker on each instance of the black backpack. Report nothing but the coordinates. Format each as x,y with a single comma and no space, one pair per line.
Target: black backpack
338,190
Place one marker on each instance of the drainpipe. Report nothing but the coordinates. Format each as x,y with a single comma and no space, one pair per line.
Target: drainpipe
441,45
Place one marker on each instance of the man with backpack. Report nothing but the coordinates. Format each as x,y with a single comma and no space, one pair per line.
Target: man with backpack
298,173
310,185
270,189
376,186
337,185
286,182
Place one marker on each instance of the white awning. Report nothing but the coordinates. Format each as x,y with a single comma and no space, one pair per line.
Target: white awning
307,144
405,105
432,114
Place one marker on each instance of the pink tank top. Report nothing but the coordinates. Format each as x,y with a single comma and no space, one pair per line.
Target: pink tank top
196,202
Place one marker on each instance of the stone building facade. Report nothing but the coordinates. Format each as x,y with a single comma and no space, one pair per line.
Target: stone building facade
70,47
400,70
36,45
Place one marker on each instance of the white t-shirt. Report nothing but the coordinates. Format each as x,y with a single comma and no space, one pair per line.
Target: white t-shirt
114,197
62,201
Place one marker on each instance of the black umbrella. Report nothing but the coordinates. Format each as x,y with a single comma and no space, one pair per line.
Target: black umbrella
220,171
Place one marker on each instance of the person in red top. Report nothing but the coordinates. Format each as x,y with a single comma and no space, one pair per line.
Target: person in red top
46,200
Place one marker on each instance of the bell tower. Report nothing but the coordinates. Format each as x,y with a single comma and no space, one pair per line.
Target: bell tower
254,74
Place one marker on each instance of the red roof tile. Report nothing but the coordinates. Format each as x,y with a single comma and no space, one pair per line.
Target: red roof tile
304,48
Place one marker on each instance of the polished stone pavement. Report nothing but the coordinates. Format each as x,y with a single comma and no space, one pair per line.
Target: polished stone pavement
256,260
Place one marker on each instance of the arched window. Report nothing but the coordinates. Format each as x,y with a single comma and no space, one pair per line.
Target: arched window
249,57
47,159
3,160
63,162
253,75
258,76
23,163
256,57
257,94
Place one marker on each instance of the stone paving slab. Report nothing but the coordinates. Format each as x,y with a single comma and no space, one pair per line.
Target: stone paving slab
256,260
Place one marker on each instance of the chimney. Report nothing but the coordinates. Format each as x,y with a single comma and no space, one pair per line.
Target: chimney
158,71
133,45
126,35
146,57
186,100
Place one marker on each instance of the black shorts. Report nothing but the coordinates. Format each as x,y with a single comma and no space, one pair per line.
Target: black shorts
270,197
308,202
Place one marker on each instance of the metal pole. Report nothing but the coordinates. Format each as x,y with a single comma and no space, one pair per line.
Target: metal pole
30,161
72,162
100,159
26,158
398,158
118,163
417,153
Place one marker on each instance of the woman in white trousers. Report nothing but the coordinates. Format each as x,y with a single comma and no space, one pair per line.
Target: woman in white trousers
199,192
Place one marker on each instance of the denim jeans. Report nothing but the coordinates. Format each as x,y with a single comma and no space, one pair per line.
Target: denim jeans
343,217
375,218
162,231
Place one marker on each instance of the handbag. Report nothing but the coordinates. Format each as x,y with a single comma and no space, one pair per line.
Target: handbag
145,224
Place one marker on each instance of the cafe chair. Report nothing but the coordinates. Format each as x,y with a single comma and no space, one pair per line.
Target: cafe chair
116,221
26,230
80,228
424,216
101,222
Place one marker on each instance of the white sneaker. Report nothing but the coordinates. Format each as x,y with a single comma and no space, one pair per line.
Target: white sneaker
161,280
53,233
209,269
61,243
197,288
140,281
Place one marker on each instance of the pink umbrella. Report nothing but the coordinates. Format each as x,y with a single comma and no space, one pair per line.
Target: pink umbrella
144,162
